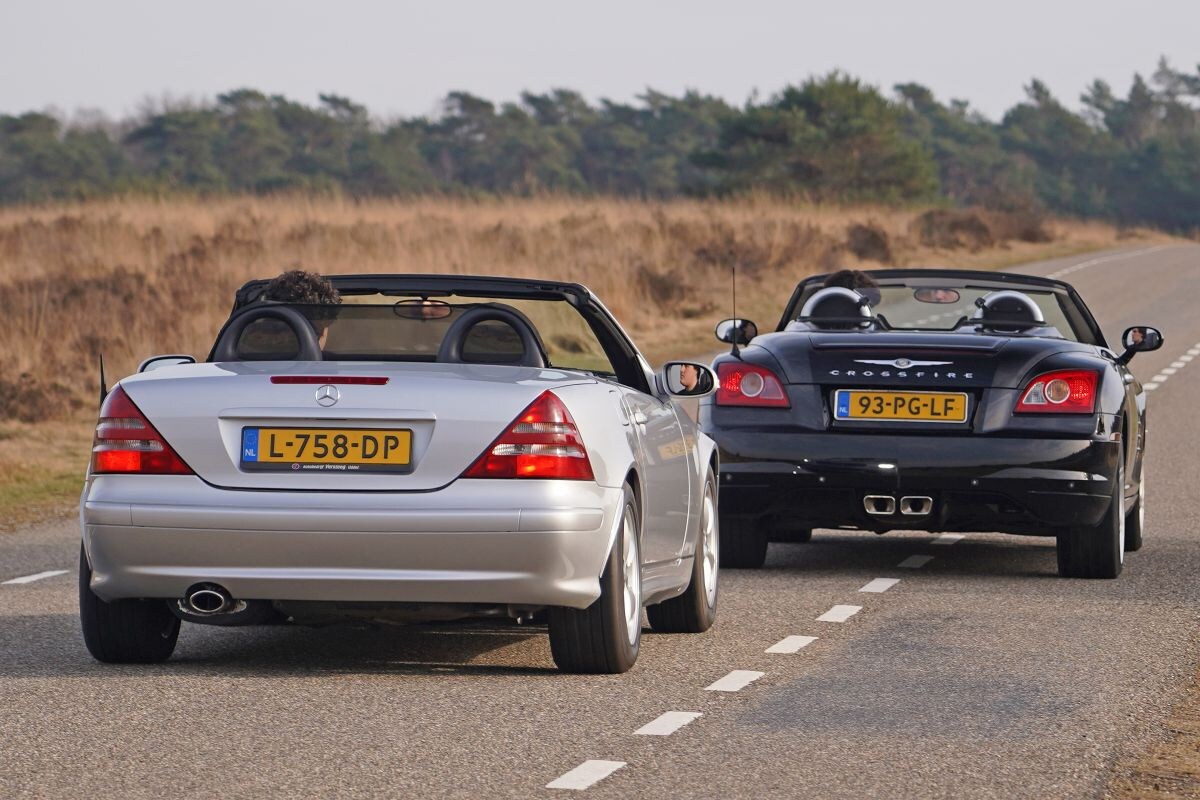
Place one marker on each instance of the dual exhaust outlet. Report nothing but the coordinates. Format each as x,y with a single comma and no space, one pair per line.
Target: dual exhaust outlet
884,505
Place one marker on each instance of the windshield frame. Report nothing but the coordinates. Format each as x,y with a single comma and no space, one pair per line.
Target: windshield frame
631,366
1083,324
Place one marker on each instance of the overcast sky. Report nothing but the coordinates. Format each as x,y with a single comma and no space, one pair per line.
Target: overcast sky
400,58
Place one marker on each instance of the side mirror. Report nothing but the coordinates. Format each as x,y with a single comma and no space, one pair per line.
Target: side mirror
744,329
158,362
1139,339
686,379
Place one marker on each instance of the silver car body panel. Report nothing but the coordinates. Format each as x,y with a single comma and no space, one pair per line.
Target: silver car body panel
424,536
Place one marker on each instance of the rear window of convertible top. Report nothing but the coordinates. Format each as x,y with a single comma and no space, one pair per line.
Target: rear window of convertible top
412,331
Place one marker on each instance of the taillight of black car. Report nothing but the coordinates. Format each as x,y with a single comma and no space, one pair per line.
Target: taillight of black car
742,384
126,443
1064,391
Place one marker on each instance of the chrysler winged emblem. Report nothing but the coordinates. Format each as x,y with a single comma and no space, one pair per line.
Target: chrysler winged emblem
902,363
328,395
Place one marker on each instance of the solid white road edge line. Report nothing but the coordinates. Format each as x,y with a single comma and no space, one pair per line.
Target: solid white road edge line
1103,260
947,538
879,585
790,644
915,562
839,613
31,578
667,723
587,774
735,681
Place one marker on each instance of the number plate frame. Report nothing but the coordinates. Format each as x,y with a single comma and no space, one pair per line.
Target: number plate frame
252,441
841,410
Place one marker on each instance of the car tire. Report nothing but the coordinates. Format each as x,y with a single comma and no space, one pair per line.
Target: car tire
743,543
1097,551
1135,520
124,631
604,638
695,610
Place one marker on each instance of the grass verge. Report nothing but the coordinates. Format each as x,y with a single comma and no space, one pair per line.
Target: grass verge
1170,768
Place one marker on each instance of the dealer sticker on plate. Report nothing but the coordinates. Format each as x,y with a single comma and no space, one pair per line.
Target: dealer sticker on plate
853,404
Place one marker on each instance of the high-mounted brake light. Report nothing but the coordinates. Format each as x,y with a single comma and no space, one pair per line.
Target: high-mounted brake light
127,443
341,380
741,384
542,442
1065,391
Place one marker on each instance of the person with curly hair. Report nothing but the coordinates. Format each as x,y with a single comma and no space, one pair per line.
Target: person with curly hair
299,287
857,280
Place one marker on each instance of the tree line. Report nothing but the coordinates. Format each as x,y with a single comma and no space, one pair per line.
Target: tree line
1132,159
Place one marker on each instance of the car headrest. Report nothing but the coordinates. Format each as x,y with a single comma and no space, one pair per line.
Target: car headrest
1008,309
836,304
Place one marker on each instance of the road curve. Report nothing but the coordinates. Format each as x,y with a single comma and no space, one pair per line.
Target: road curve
965,669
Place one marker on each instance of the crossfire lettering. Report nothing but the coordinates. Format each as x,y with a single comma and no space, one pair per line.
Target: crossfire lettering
887,373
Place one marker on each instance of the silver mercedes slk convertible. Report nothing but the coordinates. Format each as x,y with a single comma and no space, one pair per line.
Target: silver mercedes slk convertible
434,447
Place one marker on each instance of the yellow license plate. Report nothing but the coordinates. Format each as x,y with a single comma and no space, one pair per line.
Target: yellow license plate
326,449
900,406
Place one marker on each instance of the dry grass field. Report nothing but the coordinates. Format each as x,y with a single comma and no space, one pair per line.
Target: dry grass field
133,277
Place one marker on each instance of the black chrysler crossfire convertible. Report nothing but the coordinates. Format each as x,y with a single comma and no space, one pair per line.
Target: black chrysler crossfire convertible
938,400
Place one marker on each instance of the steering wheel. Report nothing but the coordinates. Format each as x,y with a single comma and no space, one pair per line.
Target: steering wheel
450,351
226,348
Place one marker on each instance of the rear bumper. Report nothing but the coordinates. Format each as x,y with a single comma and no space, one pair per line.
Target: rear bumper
521,543
976,483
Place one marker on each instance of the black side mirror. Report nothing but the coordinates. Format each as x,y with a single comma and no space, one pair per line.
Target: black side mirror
743,329
1139,339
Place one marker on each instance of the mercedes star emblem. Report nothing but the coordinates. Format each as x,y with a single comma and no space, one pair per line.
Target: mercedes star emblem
327,395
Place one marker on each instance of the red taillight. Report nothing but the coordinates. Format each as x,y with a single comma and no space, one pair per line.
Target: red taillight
741,384
127,443
1067,391
542,442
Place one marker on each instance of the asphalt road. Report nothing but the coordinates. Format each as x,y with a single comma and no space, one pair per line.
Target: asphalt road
979,674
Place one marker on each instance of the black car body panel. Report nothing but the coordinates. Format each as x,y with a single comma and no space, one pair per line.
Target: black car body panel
997,470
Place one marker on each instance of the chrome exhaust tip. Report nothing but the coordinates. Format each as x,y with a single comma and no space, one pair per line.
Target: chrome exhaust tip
916,505
207,599
879,505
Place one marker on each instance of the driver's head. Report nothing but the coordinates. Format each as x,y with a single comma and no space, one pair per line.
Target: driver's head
857,280
305,288
689,376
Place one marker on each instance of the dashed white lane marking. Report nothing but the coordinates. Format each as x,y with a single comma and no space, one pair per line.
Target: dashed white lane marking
1195,351
668,723
915,562
31,578
735,681
791,644
948,538
1179,364
1186,357
1169,370
879,585
1150,385
839,613
1104,259
587,774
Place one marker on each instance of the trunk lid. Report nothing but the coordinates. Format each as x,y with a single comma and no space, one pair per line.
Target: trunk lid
454,411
